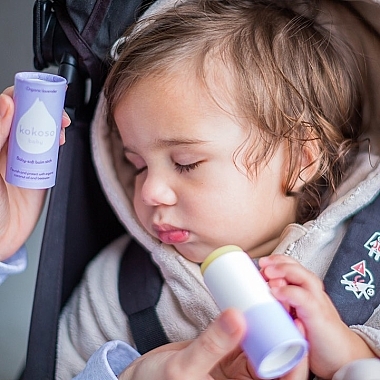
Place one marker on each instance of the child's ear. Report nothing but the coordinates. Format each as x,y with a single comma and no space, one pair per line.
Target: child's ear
309,163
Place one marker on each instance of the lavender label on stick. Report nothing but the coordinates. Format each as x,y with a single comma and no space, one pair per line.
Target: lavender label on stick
34,138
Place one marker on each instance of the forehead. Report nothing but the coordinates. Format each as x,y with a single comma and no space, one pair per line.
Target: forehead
192,75
159,111
174,92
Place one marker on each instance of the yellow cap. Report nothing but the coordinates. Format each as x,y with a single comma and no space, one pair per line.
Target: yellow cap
218,252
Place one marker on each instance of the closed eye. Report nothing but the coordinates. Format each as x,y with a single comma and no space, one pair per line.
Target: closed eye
186,168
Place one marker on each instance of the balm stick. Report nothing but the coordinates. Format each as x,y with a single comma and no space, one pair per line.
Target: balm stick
272,343
34,138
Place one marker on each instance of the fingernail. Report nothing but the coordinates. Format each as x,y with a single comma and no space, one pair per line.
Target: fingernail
275,292
62,137
65,115
228,324
3,106
275,289
263,260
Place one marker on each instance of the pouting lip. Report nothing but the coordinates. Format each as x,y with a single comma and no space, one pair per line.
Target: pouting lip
165,228
169,234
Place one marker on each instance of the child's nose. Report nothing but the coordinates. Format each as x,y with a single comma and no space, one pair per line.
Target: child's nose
157,191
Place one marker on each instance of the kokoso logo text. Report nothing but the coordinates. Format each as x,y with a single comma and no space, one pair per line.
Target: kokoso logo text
36,130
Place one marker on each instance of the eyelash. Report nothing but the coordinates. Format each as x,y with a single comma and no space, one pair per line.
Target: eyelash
186,168
178,167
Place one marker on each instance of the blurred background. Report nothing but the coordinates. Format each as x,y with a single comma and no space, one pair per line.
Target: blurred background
16,293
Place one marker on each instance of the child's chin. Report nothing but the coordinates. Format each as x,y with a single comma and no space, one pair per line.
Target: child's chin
192,253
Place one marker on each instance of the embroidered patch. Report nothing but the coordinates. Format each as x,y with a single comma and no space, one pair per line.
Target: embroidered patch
373,245
359,281
354,291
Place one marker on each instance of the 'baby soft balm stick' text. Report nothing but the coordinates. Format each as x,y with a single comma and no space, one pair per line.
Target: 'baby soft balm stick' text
34,138
272,343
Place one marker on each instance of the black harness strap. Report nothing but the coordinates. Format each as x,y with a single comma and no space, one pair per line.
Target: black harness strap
353,279
93,64
95,20
140,284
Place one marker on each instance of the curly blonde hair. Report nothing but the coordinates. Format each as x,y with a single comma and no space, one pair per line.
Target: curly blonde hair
291,82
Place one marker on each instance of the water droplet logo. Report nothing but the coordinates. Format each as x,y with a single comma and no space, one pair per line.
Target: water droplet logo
36,129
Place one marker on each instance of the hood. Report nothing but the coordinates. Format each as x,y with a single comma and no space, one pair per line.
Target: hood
356,22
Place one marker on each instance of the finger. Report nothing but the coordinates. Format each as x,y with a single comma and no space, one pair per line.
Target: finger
66,121
275,259
221,337
272,260
62,137
9,91
6,114
291,272
277,282
306,304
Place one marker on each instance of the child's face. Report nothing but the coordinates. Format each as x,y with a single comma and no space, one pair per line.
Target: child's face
189,191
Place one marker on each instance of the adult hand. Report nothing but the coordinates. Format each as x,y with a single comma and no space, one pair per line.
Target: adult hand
19,208
332,344
215,354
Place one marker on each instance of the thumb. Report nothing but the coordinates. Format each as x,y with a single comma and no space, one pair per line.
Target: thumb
221,337
6,115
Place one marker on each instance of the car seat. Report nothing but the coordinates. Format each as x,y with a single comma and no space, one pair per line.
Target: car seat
75,36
